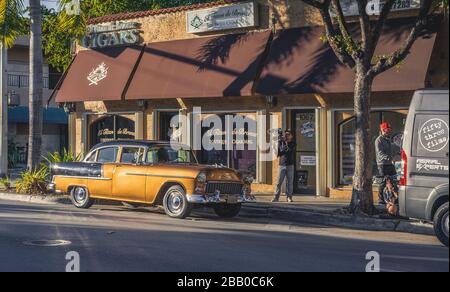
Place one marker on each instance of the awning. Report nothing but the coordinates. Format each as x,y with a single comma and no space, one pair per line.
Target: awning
300,62
99,74
52,115
216,66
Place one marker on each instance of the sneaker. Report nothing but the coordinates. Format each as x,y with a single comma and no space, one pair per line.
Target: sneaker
275,200
290,200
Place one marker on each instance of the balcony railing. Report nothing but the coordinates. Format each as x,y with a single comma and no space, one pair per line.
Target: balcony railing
22,80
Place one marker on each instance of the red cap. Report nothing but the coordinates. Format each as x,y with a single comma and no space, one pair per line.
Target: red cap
385,126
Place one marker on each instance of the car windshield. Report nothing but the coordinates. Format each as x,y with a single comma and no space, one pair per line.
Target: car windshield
166,154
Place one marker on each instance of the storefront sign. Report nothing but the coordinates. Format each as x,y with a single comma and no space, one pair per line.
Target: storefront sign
115,34
111,128
350,7
222,18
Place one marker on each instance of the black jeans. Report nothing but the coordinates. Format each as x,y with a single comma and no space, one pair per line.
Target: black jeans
383,171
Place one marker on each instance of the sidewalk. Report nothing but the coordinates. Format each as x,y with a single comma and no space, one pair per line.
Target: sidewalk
305,209
326,211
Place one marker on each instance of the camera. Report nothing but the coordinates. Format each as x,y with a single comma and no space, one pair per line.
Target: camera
280,133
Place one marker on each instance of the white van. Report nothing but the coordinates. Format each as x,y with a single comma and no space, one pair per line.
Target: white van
424,185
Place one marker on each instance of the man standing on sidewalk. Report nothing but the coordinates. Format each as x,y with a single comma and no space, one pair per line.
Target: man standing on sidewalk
384,150
286,153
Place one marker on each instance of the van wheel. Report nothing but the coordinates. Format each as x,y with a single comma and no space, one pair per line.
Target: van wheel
176,204
80,198
441,224
227,211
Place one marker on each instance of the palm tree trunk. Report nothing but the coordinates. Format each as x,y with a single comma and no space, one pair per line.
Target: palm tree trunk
362,197
36,86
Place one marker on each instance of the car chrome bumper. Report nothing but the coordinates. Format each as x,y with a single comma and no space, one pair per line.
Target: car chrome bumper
217,199
51,187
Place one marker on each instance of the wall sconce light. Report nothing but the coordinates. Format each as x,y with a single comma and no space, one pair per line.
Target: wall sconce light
143,104
69,107
272,101
13,98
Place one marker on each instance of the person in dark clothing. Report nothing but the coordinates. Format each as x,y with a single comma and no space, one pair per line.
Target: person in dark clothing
384,150
286,153
390,197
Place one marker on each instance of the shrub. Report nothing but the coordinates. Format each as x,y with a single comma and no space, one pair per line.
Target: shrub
13,155
5,183
33,182
65,156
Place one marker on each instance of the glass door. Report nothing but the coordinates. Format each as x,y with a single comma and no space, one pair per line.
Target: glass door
303,123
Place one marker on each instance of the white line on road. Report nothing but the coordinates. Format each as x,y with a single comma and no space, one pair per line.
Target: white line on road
427,259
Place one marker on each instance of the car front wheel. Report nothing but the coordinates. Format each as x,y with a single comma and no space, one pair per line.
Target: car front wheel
227,210
80,198
176,204
441,224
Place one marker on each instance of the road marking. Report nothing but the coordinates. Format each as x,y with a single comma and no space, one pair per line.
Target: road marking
427,259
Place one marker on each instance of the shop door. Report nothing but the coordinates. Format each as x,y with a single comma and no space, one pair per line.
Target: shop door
110,128
303,122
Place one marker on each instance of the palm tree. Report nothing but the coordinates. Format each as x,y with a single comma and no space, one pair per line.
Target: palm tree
36,86
13,23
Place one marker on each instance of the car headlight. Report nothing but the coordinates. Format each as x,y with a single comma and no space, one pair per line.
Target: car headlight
200,183
201,178
249,179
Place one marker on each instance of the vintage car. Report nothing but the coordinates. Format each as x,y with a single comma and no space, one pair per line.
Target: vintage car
151,173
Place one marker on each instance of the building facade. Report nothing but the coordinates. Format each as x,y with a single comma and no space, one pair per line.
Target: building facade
55,119
136,71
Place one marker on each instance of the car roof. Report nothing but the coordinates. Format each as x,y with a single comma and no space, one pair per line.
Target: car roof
143,143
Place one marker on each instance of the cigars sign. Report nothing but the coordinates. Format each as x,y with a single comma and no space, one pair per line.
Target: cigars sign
114,34
243,15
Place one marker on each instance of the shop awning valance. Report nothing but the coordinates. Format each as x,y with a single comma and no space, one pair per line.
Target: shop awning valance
21,115
99,74
300,62
225,65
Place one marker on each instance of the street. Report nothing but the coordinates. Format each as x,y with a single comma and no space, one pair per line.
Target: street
113,238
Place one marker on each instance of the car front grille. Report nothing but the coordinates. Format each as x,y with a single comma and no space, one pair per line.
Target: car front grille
224,188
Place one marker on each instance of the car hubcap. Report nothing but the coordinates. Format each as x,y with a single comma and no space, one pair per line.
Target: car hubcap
175,202
80,195
445,224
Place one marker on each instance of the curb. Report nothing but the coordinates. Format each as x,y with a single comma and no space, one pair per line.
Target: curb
289,214
329,219
44,199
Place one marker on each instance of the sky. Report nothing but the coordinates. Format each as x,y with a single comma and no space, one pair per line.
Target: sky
48,3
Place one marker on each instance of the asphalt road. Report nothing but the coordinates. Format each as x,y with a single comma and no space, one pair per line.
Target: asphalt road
120,239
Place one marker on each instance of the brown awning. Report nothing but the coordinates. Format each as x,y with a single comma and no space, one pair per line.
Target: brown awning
299,62
99,74
217,66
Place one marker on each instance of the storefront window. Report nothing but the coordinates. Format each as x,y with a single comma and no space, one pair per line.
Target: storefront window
168,126
242,157
111,128
346,136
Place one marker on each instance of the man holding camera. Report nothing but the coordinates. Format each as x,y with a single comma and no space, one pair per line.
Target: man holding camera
286,154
